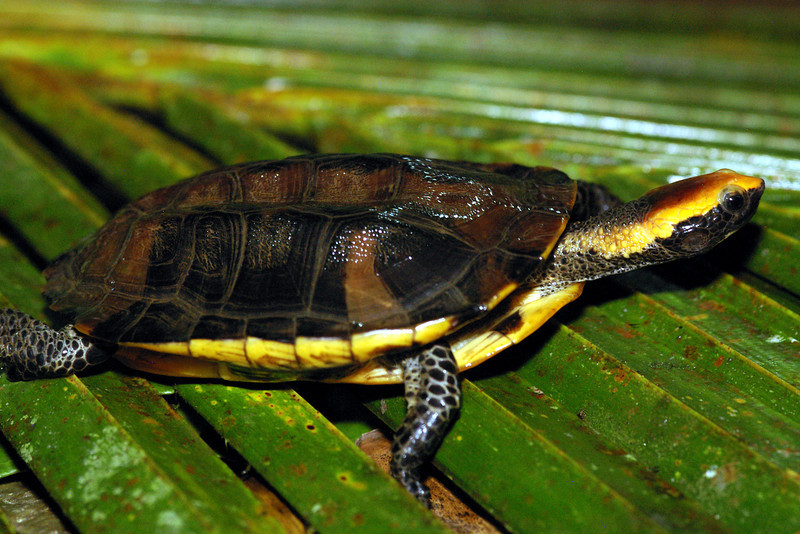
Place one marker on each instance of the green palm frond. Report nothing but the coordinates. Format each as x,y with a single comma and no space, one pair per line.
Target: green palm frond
661,401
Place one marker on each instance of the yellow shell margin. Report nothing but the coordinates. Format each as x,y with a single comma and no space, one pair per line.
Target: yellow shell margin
305,353
511,322
471,345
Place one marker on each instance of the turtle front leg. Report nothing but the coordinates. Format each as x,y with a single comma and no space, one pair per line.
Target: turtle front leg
31,349
433,394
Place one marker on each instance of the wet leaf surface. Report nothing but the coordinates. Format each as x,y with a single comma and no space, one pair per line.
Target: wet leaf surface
662,401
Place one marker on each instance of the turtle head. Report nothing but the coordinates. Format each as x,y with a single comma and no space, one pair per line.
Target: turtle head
674,221
691,216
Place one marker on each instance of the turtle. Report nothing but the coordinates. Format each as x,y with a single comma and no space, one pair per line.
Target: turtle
370,269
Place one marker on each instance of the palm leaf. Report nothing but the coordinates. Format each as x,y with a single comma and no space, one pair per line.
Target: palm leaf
663,401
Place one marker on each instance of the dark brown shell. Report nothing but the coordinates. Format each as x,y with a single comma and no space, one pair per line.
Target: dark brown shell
322,246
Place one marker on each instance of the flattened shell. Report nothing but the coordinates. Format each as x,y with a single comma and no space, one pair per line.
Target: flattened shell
330,246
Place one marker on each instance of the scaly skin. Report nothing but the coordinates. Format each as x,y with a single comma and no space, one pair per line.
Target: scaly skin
676,221
30,349
433,395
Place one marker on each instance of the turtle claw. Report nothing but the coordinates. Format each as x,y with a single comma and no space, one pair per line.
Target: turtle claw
30,349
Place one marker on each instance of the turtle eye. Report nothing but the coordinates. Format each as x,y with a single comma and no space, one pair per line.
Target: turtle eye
732,198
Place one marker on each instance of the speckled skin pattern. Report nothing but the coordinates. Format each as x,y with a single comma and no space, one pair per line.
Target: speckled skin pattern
595,247
31,349
433,395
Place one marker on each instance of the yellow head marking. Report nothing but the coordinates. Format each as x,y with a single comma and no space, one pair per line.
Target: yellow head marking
668,206
692,197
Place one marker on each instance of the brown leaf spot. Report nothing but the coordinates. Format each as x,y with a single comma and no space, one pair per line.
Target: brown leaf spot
619,374
690,352
626,333
711,305
300,469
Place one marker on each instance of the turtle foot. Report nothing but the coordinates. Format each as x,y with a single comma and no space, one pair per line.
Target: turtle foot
433,394
414,485
30,349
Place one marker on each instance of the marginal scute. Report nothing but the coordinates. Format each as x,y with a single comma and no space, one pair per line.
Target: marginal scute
471,350
429,331
224,350
177,348
268,353
316,353
368,345
510,323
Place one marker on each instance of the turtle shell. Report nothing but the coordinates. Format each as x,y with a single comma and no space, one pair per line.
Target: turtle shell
312,263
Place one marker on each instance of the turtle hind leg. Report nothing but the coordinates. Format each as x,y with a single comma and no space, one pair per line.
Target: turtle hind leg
433,394
31,349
